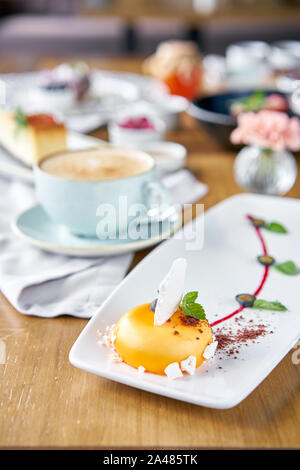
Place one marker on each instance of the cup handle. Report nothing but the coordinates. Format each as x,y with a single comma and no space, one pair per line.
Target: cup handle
157,199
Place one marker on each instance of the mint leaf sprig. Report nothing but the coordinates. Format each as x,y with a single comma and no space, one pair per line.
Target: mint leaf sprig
254,102
272,226
275,227
288,267
267,305
190,308
250,300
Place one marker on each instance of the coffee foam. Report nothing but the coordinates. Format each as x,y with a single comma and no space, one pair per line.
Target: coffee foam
100,164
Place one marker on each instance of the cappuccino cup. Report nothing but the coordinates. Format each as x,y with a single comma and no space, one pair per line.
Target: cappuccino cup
98,192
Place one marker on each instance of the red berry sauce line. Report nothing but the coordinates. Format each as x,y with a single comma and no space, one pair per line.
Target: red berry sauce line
259,288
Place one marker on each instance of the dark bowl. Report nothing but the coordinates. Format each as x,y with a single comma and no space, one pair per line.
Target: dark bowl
213,112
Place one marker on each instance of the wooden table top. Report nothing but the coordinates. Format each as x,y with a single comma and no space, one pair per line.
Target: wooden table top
133,10
45,401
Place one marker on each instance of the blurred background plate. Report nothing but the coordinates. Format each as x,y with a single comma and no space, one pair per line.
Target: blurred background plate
110,93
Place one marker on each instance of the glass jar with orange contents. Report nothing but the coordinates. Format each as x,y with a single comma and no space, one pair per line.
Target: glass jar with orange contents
178,64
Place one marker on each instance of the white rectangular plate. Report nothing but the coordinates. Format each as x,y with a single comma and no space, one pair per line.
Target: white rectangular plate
225,266
13,168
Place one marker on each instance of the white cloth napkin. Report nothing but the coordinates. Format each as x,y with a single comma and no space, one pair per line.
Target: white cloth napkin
184,187
47,285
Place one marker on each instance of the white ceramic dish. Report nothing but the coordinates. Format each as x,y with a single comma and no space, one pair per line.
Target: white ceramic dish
167,108
35,227
168,156
224,267
62,99
135,138
170,109
14,168
110,92
285,55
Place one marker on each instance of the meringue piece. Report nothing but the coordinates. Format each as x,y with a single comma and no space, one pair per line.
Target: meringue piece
210,350
105,340
170,292
173,371
141,370
116,357
108,338
189,365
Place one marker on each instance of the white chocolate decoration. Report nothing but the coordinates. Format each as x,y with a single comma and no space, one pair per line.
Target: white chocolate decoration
108,337
173,371
210,350
189,365
170,292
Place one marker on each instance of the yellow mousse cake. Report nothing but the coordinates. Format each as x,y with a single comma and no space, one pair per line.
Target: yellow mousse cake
31,137
139,342
169,336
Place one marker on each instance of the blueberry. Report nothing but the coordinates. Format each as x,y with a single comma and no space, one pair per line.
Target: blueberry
153,305
266,260
246,300
258,222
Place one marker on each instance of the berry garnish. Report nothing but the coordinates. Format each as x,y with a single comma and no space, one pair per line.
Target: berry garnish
266,260
249,300
153,305
137,123
258,222
246,300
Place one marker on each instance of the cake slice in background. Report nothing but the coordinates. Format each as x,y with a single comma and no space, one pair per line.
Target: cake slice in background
31,137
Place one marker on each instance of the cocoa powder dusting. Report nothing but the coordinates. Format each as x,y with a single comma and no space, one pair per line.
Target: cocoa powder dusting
246,334
229,342
224,340
189,321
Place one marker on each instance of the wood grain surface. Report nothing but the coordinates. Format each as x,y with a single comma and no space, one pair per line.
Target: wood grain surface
133,10
46,402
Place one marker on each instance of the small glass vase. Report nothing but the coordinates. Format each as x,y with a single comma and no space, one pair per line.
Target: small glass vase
265,171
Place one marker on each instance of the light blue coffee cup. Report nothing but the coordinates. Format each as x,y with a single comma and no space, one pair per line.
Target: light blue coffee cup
88,208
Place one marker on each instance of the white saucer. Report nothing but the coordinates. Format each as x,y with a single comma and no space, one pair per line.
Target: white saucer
34,226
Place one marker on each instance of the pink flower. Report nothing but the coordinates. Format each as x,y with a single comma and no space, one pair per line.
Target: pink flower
268,129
